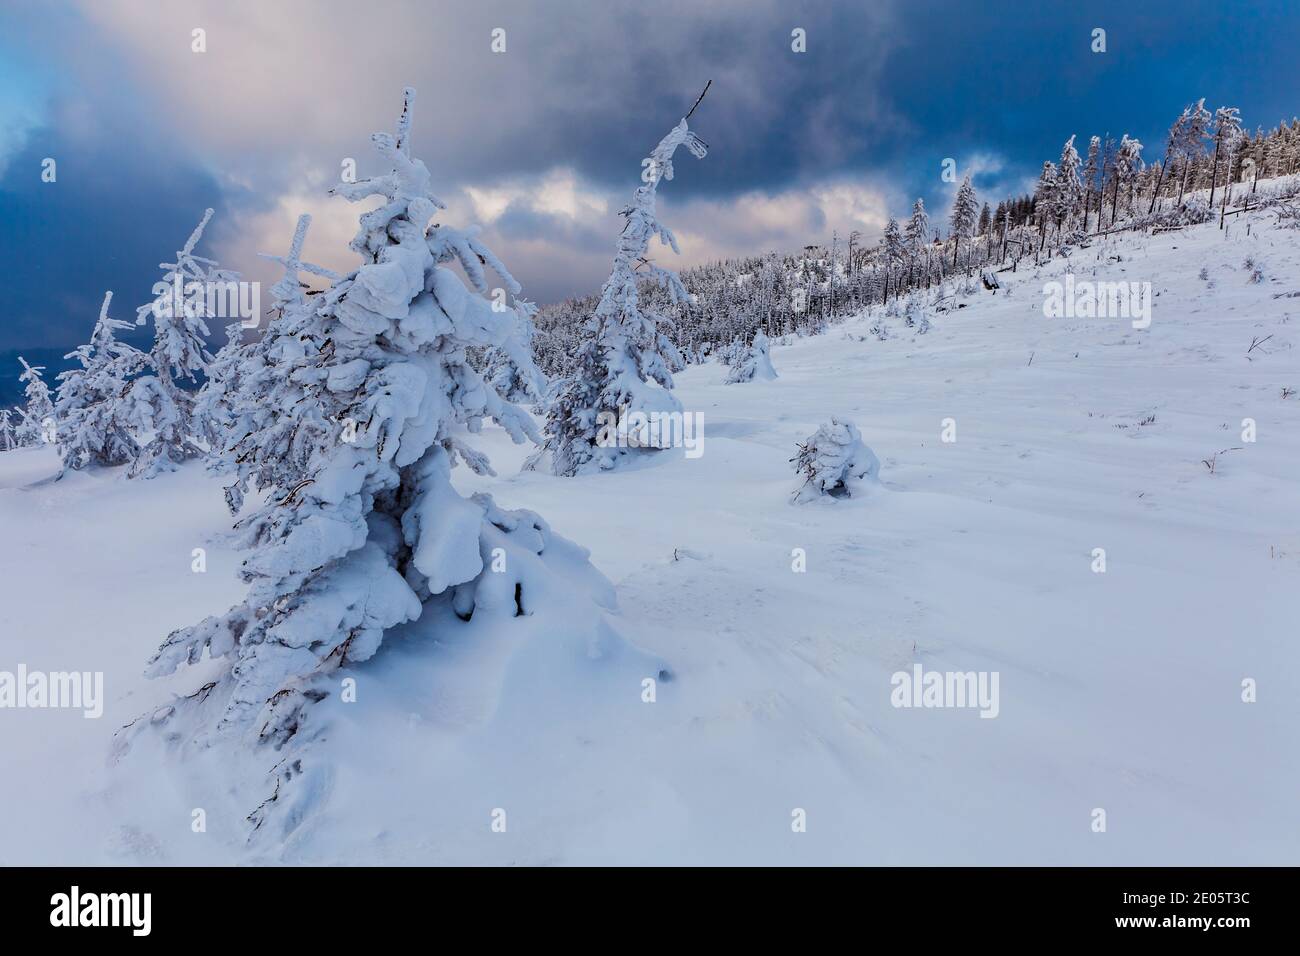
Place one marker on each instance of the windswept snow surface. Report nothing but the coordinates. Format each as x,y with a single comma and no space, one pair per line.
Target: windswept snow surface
1119,690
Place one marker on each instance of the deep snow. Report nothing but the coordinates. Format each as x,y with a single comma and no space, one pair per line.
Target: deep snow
1119,690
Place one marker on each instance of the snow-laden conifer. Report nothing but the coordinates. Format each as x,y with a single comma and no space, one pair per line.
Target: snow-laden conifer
8,430
1091,168
213,415
267,416
754,363
38,424
1069,189
835,462
623,368
97,413
180,309
366,532
917,235
962,220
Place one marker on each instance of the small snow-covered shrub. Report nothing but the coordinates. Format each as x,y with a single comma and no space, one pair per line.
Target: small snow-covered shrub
1288,215
917,317
1194,211
835,462
752,363
731,353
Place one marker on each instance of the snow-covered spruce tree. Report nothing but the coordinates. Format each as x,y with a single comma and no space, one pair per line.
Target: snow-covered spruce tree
1069,189
212,413
180,310
1047,205
8,431
894,252
623,366
962,220
731,353
1090,170
265,413
1128,166
373,534
918,238
96,411
835,462
38,415
753,363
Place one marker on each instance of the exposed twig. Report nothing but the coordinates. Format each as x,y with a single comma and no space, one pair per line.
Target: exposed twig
699,98
1257,342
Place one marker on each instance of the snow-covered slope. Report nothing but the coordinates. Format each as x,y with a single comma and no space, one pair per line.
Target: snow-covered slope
1119,690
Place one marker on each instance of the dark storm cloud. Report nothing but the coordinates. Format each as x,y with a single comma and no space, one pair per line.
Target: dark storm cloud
543,142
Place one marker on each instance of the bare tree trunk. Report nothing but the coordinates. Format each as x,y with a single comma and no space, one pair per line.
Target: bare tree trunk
1214,176
1227,190
1163,166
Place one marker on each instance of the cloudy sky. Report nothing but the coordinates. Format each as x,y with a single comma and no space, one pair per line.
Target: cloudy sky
542,144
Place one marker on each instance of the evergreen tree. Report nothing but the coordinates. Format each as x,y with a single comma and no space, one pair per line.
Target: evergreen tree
8,433
259,443
621,369
962,220
1069,190
918,237
180,310
835,462
373,534
751,363
1128,166
1046,199
894,251
96,412
38,422
1091,168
